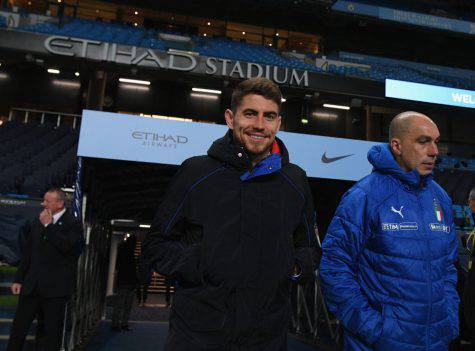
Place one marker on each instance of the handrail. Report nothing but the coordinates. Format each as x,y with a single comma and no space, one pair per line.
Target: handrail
310,315
25,113
41,111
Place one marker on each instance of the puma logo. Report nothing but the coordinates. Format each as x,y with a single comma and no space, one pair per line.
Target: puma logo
399,212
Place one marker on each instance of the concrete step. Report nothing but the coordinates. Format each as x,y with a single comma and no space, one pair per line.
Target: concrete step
5,326
160,290
28,346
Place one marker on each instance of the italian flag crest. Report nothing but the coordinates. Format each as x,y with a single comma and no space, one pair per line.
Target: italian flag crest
438,211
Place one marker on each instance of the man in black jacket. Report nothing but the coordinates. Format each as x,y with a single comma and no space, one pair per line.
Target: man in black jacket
471,202
468,300
46,276
234,229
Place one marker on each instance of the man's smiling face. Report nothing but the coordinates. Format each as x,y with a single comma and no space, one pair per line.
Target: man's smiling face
255,125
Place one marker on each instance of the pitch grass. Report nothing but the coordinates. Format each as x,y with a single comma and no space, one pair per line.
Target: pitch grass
8,300
8,269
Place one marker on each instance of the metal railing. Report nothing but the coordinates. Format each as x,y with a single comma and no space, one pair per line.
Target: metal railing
86,306
26,115
310,316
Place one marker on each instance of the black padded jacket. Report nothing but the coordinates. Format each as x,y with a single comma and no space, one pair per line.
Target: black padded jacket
230,234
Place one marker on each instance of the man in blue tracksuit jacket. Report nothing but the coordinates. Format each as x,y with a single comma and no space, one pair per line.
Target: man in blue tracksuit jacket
387,268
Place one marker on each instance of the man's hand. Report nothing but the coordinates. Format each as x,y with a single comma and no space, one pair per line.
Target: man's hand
16,288
46,217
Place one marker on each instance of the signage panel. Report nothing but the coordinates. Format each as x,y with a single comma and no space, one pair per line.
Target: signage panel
142,139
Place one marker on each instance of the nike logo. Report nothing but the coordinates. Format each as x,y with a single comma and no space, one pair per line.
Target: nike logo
326,159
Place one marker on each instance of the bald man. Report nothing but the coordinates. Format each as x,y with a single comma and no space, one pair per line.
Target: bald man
387,268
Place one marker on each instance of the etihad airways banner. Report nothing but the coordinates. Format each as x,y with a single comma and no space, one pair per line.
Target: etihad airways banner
143,139
430,93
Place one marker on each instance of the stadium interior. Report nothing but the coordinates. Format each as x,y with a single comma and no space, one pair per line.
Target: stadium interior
331,60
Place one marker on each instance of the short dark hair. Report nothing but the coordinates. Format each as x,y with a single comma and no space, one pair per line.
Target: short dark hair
259,86
60,194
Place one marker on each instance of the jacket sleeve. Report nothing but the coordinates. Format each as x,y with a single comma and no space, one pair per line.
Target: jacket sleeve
468,299
25,245
450,283
343,243
165,248
307,251
62,237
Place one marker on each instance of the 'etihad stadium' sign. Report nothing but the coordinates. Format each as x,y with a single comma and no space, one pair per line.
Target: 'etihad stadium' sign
173,60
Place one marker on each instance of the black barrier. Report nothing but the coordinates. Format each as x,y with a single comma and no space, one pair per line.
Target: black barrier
14,213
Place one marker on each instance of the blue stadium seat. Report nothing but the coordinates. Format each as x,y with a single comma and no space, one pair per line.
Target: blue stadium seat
36,157
3,22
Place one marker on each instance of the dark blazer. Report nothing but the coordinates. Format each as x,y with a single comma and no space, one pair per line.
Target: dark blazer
48,266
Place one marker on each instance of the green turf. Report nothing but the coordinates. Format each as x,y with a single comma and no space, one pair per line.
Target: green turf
8,300
8,269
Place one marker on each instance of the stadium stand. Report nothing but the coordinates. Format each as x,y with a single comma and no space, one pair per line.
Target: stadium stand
380,68
462,217
457,183
35,157
3,22
250,52
122,34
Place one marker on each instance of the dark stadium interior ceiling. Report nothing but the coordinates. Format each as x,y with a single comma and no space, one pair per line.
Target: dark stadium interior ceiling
25,66
32,80
296,6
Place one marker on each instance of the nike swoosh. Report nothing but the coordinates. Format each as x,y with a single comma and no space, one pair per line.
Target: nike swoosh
326,159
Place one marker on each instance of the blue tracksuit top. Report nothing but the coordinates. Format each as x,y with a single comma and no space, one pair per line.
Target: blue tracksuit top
387,269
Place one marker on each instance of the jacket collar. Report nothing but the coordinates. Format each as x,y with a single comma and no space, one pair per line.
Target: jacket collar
225,150
383,161
58,215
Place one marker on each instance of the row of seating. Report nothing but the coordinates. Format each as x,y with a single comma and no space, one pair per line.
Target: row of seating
457,183
36,157
385,68
463,217
456,162
3,22
242,51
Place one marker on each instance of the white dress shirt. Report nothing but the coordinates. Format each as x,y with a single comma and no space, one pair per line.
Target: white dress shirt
58,215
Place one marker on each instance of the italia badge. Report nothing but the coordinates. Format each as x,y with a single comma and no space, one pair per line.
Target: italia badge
438,211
